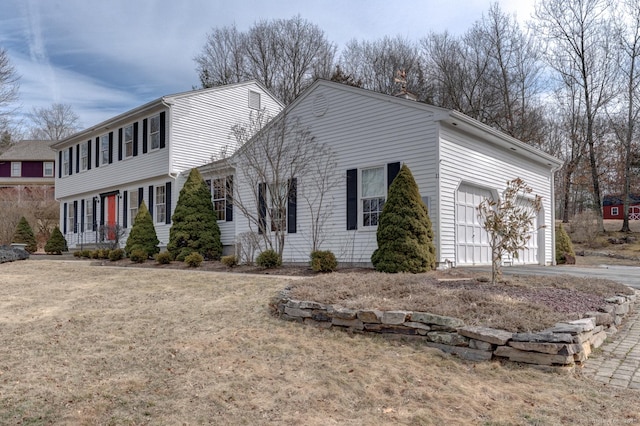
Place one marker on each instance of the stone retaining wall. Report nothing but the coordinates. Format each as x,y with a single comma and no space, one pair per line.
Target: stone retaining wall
565,344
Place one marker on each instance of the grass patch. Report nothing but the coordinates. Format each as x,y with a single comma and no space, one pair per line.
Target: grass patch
91,345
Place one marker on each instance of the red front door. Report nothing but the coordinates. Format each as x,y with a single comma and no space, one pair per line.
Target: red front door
111,217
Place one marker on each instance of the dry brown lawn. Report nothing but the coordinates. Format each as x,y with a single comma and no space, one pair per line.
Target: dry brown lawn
85,345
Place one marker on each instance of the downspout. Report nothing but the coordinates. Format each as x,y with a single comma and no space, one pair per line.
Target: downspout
168,104
553,213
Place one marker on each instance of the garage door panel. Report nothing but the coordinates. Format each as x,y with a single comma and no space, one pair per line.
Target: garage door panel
471,240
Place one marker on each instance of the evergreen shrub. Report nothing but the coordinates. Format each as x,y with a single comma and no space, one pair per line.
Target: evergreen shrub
24,235
194,260
268,259
56,243
116,254
143,233
404,235
138,256
323,261
564,246
194,224
229,261
163,258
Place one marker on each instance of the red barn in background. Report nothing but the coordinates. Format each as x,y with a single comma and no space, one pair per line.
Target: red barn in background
612,207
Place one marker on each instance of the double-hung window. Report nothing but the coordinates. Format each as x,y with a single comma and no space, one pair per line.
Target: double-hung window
71,217
614,211
104,149
160,207
373,194
220,198
84,156
88,212
133,205
16,169
47,169
66,164
128,141
154,131
278,195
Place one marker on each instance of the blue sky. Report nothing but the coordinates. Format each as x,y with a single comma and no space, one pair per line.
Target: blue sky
106,57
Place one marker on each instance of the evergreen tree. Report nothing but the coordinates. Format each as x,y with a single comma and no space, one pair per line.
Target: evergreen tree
195,226
405,237
24,235
564,246
56,244
143,234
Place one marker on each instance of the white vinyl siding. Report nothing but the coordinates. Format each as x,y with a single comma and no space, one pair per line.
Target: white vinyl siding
467,159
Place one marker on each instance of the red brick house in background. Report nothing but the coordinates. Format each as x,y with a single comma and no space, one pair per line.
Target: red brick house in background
25,167
613,207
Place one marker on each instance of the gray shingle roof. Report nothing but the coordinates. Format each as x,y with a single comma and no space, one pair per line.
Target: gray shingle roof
29,150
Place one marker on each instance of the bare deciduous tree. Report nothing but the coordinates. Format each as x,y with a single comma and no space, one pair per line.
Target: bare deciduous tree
53,123
286,55
281,163
508,221
579,46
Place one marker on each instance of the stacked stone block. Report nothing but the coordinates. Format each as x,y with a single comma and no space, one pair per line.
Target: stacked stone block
565,344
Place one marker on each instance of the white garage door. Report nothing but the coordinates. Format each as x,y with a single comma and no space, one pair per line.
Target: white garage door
529,255
472,241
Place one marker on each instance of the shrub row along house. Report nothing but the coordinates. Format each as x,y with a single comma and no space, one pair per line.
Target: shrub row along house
313,177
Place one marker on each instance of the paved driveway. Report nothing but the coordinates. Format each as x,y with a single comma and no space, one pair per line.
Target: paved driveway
629,275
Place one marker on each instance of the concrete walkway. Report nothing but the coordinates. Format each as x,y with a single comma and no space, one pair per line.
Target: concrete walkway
618,361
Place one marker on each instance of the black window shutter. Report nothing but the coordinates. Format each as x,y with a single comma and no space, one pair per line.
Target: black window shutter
89,154
144,136
140,196
78,158
101,211
167,198
229,203
97,152
64,218
60,165
75,217
125,208
392,171
162,132
352,199
120,144
262,207
292,202
135,139
151,200
70,160
82,215
95,213
110,147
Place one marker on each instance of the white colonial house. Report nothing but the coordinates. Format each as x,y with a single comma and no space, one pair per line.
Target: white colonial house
106,171
456,161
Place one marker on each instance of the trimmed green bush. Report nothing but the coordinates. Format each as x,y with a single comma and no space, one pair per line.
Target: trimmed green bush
194,260
143,233
56,243
138,256
323,261
268,259
24,235
163,258
116,254
194,225
404,235
564,246
229,261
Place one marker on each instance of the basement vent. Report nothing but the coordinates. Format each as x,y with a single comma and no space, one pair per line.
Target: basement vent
320,105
